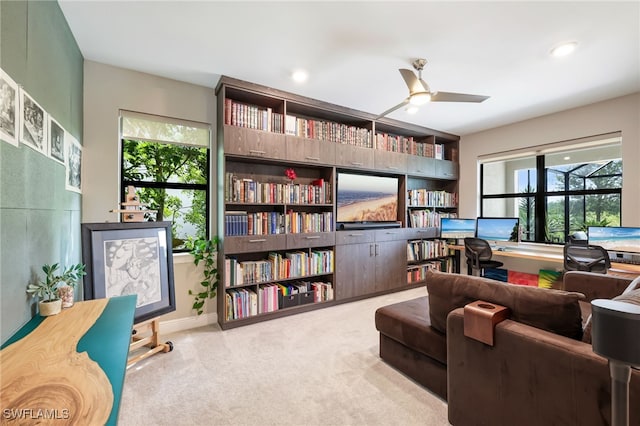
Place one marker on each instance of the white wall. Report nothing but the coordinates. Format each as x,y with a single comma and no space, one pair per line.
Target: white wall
108,89
619,114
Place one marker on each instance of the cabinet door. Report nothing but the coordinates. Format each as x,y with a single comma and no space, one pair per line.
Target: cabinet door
391,265
393,162
310,150
446,169
355,270
354,156
421,166
253,143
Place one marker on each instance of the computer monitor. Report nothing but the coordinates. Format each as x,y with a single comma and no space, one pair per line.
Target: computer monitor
500,230
615,239
457,228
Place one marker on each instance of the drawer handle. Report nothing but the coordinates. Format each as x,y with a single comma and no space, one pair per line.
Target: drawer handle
261,240
257,152
356,163
392,167
313,158
356,235
391,233
313,237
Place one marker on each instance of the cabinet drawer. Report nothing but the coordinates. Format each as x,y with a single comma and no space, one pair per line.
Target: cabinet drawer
250,243
310,150
354,156
392,234
354,237
418,233
392,162
421,166
253,143
446,169
315,239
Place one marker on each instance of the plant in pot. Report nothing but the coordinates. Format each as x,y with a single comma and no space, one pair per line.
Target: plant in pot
47,290
205,251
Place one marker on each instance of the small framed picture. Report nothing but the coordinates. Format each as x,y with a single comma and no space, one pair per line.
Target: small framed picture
33,131
130,258
73,164
56,140
9,109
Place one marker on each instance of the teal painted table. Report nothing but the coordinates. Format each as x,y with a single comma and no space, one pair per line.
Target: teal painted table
70,366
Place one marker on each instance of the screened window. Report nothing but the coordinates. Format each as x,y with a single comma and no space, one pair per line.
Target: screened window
167,161
557,192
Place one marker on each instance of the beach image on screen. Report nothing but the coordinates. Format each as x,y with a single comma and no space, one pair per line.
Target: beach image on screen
615,238
457,228
498,229
367,198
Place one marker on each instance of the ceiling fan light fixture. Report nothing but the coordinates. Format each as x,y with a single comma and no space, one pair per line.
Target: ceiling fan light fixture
564,49
412,109
419,98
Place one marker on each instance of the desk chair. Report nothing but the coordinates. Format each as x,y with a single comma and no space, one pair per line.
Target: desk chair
589,258
478,253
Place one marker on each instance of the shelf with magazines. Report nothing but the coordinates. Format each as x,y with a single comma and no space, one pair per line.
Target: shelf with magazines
279,158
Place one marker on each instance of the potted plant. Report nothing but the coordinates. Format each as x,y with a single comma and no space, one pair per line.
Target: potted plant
68,281
205,251
47,290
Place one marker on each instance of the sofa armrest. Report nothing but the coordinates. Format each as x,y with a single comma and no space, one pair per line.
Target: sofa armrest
595,286
529,377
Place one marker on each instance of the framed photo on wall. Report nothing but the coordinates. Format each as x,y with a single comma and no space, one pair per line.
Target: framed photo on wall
33,131
73,164
9,114
56,140
130,258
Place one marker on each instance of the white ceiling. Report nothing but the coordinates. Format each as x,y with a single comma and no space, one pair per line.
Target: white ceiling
353,50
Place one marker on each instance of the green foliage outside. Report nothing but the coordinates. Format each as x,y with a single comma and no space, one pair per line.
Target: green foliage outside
172,163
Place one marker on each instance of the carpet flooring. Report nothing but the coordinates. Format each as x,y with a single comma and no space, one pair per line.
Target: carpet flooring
315,368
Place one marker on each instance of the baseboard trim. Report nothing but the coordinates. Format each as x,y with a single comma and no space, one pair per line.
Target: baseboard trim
181,324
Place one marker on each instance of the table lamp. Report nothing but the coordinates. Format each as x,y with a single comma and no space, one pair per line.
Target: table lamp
616,336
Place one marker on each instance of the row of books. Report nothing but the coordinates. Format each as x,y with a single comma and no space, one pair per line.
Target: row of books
245,302
427,218
426,198
418,273
252,117
327,131
245,190
269,223
278,266
426,249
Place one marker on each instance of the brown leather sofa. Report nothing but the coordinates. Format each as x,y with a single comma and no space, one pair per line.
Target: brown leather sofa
539,371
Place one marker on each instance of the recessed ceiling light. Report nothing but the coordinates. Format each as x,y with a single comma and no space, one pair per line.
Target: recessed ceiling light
567,158
300,76
564,49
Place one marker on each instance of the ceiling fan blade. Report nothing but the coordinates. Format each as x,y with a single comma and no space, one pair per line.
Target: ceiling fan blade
390,110
456,97
413,82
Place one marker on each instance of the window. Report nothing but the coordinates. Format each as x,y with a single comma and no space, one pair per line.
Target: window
561,189
167,161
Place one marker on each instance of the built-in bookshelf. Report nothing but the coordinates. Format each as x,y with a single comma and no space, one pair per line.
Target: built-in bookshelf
280,251
425,255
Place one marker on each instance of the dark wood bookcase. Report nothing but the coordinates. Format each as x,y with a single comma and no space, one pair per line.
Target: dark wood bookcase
257,142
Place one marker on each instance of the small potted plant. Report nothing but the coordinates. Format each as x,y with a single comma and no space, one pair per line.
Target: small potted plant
47,290
68,281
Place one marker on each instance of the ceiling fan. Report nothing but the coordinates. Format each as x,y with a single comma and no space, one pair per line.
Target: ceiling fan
420,93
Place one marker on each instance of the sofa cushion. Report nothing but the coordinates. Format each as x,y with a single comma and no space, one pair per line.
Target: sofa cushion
556,311
408,323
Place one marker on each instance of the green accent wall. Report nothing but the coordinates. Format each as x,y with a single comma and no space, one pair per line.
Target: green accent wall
39,219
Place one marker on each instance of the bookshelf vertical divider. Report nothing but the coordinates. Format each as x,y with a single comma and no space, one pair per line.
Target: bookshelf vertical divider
280,250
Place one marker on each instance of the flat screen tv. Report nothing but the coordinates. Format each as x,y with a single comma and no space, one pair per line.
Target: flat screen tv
498,229
615,239
457,228
366,199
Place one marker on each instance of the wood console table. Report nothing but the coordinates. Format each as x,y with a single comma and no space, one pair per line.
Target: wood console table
69,366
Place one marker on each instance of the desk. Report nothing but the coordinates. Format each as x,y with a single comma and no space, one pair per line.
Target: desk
69,366
618,269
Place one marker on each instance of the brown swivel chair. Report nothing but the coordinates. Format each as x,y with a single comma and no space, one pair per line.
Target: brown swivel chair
589,258
478,253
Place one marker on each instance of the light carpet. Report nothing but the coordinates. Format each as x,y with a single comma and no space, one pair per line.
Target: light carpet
315,368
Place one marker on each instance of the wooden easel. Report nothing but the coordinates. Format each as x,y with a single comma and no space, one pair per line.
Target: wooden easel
151,339
133,210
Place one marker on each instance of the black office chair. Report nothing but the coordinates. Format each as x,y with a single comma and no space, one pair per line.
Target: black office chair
589,258
478,253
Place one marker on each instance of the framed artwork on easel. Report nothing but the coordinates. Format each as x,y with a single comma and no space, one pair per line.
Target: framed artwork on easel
130,258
